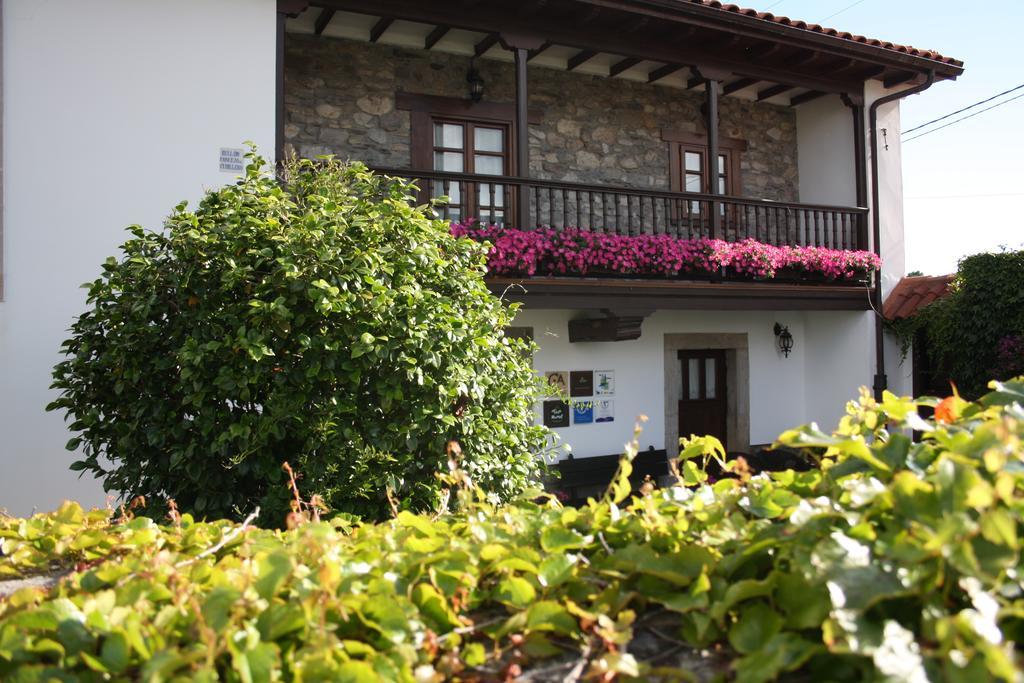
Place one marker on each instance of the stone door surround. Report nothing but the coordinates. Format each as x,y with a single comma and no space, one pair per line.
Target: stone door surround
737,381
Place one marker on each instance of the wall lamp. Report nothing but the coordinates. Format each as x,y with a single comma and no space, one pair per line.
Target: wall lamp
476,83
784,339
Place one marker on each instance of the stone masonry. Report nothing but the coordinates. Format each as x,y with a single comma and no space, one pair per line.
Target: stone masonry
340,99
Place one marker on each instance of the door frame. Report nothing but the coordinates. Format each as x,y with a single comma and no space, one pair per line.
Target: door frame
719,379
737,381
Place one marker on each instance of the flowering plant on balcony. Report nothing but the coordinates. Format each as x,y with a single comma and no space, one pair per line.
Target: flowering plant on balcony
573,251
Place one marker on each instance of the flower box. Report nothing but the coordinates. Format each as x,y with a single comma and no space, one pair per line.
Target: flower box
581,253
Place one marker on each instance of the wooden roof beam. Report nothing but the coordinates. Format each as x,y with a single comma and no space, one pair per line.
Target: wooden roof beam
535,52
763,51
803,59
321,21
739,84
434,36
663,71
806,97
636,24
580,58
489,41
600,37
623,64
378,29
773,91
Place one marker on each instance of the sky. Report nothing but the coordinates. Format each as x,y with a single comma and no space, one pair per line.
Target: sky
964,185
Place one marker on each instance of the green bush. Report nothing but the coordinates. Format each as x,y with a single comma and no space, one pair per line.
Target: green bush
896,561
977,332
326,321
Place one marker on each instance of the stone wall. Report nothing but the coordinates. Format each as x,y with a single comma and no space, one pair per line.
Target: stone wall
339,99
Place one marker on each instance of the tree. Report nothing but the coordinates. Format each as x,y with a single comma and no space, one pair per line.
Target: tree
324,321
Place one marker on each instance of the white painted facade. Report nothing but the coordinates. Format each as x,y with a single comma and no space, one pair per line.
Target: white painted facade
114,111
808,386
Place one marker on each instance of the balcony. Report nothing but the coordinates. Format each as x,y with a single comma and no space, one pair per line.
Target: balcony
631,212
526,203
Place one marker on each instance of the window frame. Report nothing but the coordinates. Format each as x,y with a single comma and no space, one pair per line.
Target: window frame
423,109
681,142
469,204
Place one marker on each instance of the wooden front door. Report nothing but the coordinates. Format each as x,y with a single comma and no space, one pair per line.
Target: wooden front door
703,408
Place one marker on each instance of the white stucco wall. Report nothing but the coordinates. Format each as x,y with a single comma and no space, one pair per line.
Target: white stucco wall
115,110
831,359
890,184
825,152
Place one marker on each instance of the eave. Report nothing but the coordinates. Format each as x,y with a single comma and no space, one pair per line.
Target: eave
677,35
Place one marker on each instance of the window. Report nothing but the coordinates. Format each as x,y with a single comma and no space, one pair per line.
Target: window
461,136
689,168
693,170
481,148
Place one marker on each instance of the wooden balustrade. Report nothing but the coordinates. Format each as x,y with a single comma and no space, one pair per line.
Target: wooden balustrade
632,211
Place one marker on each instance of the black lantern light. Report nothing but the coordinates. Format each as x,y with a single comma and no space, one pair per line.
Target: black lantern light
784,339
476,83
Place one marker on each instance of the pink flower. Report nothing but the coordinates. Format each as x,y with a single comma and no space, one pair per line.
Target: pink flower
583,252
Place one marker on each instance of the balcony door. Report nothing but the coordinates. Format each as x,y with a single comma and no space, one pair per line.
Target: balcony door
474,147
703,406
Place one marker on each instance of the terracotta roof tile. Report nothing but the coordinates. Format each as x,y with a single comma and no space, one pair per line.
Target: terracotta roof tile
796,23
913,293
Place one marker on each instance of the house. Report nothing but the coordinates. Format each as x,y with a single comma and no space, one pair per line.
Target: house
685,119
910,295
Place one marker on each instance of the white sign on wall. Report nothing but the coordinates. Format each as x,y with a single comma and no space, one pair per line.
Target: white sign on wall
232,160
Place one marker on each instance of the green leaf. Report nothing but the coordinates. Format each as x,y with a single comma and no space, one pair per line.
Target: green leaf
435,607
274,569
474,655
1000,528
555,570
515,591
356,672
115,653
548,615
555,539
756,625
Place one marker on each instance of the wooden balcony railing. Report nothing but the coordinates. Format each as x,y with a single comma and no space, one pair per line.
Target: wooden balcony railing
630,211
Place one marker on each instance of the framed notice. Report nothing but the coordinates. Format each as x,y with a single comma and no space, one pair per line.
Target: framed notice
581,383
604,383
604,410
583,412
558,382
556,414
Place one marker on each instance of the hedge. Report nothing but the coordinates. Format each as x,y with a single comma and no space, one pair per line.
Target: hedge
896,560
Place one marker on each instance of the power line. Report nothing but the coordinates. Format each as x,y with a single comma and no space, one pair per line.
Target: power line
972,106
968,196
835,14
964,118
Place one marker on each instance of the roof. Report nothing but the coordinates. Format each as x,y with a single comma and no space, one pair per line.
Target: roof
913,293
796,23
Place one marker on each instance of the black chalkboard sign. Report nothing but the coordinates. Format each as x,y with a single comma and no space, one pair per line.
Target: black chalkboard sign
556,414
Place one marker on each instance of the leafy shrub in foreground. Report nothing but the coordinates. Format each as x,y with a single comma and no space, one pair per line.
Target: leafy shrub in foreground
896,561
325,321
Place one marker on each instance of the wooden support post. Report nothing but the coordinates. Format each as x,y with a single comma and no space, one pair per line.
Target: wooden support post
860,169
711,86
522,124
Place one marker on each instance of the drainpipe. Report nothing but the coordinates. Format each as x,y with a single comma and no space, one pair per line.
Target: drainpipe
881,382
